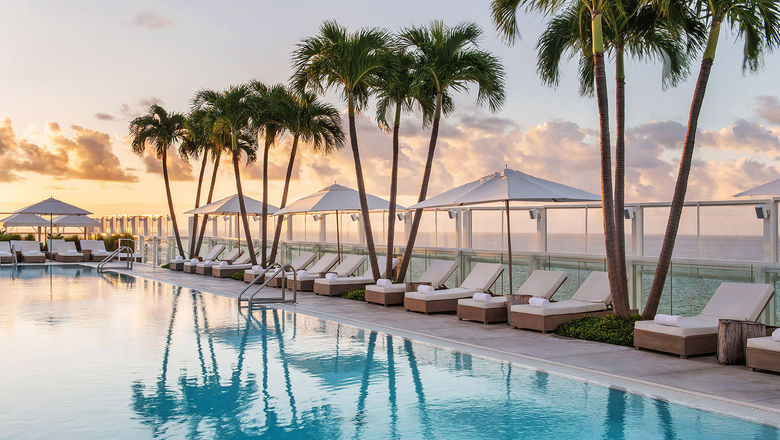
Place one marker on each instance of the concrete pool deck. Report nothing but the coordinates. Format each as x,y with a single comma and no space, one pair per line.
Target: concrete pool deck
698,382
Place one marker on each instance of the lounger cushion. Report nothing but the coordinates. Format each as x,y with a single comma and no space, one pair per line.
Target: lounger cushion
482,276
692,326
765,343
560,308
742,301
542,283
395,288
595,289
438,272
455,293
324,263
344,281
496,302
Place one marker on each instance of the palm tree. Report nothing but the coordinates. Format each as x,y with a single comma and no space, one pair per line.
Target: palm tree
637,29
313,122
232,111
162,130
757,22
351,62
218,142
449,59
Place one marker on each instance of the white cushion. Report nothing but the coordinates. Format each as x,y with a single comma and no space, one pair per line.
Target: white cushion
325,263
595,289
560,308
5,254
765,343
742,301
395,288
692,326
344,281
495,302
482,276
455,293
542,283
438,272
5,247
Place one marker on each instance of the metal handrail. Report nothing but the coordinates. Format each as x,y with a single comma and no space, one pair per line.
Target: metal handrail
283,270
277,269
257,278
113,255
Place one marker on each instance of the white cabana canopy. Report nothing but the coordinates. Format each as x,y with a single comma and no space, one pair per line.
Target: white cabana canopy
768,189
52,206
230,206
335,198
17,220
75,221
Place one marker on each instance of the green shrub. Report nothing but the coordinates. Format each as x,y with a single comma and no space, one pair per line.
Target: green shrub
29,237
609,329
166,266
238,276
9,237
112,241
356,294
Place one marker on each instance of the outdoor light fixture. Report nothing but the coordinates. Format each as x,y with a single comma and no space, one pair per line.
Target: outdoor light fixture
629,213
316,218
400,217
534,214
762,212
354,217
451,213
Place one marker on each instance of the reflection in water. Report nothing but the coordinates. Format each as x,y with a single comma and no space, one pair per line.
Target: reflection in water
665,419
616,415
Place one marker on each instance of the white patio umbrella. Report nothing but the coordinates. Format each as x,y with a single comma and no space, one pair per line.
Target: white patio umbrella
768,189
52,207
334,198
76,221
230,206
505,186
21,220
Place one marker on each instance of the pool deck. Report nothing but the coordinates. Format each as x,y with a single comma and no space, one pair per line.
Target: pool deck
698,382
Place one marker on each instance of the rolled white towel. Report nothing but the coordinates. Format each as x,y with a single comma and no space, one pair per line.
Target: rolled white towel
257,268
194,261
669,320
331,276
384,282
178,258
302,273
223,263
538,302
425,289
776,335
207,262
484,297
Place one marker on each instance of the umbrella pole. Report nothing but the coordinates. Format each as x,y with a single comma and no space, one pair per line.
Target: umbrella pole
338,236
509,244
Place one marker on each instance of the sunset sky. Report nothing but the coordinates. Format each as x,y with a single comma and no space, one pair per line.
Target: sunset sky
74,73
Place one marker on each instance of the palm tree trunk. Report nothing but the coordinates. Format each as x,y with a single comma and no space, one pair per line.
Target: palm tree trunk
170,203
242,206
393,192
208,200
423,191
287,178
620,172
264,231
197,204
675,212
618,302
362,190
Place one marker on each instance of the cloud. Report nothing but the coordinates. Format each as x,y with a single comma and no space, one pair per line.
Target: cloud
742,135
139,107
104,116
179,170
151,20
769,109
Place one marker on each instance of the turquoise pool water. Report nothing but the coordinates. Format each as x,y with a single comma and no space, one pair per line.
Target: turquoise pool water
87,356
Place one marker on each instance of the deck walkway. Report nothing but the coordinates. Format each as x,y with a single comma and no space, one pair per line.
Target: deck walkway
699,381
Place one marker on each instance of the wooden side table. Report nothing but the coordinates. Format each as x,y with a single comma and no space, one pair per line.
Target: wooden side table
732,339
87,253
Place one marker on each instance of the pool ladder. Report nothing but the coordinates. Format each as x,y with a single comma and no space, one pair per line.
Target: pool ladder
126,249
275,269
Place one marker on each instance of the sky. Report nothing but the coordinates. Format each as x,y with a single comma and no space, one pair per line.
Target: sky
73,74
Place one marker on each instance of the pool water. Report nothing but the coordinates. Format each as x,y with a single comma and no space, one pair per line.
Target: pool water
86,356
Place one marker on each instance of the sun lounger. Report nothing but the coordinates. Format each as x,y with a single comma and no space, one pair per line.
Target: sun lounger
437,274
481,278
324,264
305,282
178,262
591,299
51,247
300,263
28,251
763,354
338,285
97,249
5,252
66,253
204,267
224,270
699,334
540,284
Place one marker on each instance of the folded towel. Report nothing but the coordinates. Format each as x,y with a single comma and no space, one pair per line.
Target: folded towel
384,282
538,302
194,261
669,320
223,263
207,262
776,335
178,258
302,273
427,290
484,297
331,276
257,268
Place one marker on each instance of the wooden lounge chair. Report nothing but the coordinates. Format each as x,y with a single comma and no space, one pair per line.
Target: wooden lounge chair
481,278
591,299
224,270
437,274
97,249
213,254
540,284
699,334
348,266
5,252
322,266
28,251
300,263
66,253
339,285
204,267
51,247
763,354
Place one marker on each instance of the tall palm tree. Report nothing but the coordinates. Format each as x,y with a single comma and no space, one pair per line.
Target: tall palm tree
351,62
219,142
315,123
162,130
232,111
636,29
757,22
449,59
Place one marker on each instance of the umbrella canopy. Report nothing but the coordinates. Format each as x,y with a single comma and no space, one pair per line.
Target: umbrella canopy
768,189
507,185
230,206
24,220
52,206
334,198
75,221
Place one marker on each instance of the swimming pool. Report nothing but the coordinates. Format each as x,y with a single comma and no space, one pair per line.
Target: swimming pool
107,356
